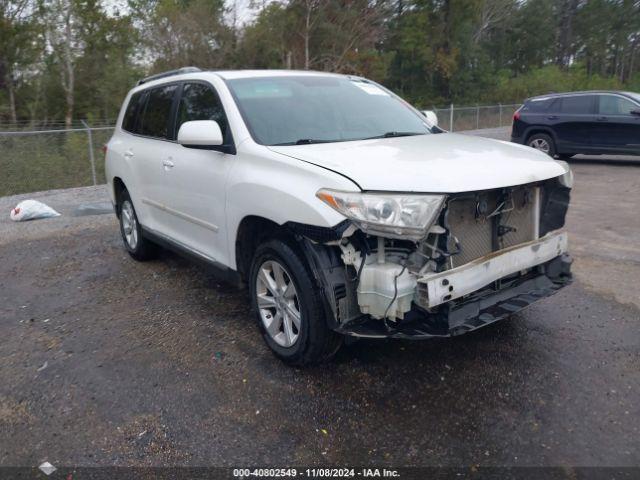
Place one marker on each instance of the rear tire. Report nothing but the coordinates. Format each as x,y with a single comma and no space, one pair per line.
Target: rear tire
542,142
288,306
139,247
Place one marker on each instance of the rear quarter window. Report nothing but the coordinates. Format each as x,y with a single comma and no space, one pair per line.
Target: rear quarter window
131,114
538,105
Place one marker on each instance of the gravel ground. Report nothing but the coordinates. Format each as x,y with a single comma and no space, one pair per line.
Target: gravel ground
106,361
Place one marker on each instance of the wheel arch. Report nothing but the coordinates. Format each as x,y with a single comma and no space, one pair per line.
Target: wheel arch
531,131
118,187
252,231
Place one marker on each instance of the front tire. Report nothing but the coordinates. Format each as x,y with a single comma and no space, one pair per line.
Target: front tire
139,248
288,306
542,142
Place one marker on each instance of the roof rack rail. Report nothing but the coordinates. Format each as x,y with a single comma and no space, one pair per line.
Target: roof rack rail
170,73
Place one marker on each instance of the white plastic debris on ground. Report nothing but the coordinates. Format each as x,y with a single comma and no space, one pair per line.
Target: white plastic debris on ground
31,210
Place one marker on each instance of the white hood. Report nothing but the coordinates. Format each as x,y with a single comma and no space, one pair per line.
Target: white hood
437,163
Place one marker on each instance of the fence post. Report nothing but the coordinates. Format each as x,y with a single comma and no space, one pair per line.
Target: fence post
451,118
477,116
93,162
500,121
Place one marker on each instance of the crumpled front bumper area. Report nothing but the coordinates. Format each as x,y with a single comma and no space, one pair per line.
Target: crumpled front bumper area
499,300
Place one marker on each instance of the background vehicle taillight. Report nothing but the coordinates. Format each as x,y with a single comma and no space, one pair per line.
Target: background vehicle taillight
104,150
516,116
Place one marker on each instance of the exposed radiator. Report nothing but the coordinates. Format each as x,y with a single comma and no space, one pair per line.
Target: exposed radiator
474,219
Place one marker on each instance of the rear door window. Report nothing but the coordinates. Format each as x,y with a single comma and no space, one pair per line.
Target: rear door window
200,102
577,105
614,105
156,119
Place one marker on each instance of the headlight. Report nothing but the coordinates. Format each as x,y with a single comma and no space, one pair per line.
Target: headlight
399,216
566,180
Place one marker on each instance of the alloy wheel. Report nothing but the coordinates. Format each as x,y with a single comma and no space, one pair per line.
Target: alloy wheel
278,303
540,144
129,224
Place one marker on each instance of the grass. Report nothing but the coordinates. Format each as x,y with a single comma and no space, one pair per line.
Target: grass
46,161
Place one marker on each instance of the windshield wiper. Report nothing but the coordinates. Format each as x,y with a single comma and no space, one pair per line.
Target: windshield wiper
395,134
309,141
304,141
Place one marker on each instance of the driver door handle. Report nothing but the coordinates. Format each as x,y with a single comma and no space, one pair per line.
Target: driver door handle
128,154
602,119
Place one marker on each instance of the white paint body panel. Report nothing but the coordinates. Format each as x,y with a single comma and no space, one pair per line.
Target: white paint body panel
194,195
435,163
481,272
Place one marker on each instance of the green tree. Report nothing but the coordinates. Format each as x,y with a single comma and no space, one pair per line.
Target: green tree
176,33
20,43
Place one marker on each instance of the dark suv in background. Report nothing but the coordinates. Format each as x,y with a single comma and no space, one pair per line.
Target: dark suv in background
593,123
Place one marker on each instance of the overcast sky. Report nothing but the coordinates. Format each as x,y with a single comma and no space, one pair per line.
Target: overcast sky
245,14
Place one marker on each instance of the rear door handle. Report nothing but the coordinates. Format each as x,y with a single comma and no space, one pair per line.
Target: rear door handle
167,164
128,154
602,119
552,117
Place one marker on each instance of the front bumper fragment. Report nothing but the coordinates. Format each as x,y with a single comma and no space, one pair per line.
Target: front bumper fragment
488,305
438,288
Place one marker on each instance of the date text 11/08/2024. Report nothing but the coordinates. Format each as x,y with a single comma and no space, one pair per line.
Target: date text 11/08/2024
316,472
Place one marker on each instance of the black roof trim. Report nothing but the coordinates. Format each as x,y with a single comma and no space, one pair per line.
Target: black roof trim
169,73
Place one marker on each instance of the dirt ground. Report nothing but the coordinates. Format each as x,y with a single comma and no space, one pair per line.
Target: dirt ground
106,361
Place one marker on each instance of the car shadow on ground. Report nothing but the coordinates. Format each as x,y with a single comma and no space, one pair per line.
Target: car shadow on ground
435,352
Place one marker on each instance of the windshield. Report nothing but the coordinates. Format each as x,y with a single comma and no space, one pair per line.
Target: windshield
295,110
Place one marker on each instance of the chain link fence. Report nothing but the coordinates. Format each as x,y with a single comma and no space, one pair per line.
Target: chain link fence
457,119
47,159
50,156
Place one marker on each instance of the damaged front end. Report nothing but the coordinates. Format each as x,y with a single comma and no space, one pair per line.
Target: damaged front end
481,257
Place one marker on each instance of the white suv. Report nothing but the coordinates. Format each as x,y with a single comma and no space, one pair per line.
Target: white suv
345,210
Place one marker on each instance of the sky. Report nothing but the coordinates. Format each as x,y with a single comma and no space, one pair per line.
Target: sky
244,12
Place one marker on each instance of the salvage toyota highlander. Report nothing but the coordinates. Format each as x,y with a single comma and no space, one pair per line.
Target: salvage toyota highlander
344,209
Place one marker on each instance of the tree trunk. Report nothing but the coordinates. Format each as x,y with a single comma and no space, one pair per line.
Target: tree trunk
12,98
35,105
68,117
68,74
564,35
307,27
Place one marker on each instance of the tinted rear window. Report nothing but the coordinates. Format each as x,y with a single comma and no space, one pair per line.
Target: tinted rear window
129,120
156,117
538,105
577,105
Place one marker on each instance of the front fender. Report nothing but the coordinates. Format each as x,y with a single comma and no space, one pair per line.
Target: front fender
279,189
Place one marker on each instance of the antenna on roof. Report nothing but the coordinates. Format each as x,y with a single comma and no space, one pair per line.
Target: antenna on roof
170,73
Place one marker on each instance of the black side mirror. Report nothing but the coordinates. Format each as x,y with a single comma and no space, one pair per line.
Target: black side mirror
635,112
